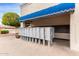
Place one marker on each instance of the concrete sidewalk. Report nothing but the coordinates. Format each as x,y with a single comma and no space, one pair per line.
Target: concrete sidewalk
10,46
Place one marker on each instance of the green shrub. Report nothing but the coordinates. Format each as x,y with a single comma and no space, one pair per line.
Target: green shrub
4,31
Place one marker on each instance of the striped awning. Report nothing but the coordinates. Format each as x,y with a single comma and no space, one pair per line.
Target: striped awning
57,9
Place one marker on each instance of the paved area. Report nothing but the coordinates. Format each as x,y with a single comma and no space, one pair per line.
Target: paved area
10,46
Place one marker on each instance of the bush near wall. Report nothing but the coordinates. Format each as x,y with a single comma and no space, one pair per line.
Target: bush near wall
4,31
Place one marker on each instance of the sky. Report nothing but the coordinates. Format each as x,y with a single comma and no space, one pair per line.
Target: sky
9,7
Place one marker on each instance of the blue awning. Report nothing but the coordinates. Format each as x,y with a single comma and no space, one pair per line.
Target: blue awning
57,9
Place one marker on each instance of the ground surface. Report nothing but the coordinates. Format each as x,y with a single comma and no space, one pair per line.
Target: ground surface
10,46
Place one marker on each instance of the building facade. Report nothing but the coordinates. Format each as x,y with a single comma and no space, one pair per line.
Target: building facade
62,16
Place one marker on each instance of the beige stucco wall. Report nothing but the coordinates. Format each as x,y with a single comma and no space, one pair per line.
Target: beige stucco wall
74,29
30,8
63,19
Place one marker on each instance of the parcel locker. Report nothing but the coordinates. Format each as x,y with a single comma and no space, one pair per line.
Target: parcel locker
27,32
37,34
30,32
33,32
24,34
23,31
49,33
42,33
